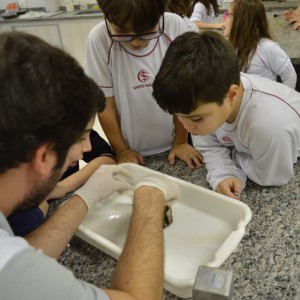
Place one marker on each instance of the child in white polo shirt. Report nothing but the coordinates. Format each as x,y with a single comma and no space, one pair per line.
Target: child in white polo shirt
244,125
124,53
246,27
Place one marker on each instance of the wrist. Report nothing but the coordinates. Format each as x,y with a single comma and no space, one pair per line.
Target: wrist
149,202
120,152
78,200
180,140
147,193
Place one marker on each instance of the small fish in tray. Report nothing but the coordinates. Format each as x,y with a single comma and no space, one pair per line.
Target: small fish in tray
168,216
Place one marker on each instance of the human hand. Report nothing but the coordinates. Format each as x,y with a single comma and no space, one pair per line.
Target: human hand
186,153
231,187
130,156
289,14
293,19
296,26
106,180
169,188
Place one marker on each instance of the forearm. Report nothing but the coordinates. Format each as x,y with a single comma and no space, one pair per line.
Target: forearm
76,180
270,169
110,124
54,235
139,271
181,135
219,160
289,76
202,25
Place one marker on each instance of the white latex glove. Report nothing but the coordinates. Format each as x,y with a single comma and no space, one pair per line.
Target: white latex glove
169,188
106,180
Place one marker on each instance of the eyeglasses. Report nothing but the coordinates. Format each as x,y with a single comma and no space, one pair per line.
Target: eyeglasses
227,14
131,37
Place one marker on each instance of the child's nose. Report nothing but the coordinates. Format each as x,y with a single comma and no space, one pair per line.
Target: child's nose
138,42
187,123
190,126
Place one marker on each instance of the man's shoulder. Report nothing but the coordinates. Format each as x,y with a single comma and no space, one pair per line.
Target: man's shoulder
10,245
24,271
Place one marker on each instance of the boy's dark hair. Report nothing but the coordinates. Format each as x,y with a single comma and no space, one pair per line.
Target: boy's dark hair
136,15
198,68
45,99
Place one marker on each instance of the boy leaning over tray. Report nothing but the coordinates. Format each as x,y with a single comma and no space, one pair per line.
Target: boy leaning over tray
245,126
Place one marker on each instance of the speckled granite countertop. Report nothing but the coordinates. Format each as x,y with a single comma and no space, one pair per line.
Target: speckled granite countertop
271,5
266,264
288,39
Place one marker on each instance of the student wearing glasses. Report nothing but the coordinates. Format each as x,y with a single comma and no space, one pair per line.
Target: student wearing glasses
124,53
246,27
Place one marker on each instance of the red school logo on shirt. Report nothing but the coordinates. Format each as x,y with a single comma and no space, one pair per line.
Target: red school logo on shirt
143,76
227,139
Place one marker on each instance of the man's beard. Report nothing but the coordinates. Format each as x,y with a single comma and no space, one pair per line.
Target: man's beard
40,191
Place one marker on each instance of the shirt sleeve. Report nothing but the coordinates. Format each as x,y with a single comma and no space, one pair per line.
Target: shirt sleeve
218,160
279,62
97,59
273,148
289,76
32,275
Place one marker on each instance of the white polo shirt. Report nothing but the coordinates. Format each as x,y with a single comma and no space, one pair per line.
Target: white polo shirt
27,273
128,76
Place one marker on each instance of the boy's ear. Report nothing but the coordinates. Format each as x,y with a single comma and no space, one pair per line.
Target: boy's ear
43,160
233,92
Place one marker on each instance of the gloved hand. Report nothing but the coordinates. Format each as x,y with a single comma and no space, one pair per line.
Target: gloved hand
106,180
169,188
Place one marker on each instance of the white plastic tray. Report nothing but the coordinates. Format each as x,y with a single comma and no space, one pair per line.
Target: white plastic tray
207,228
